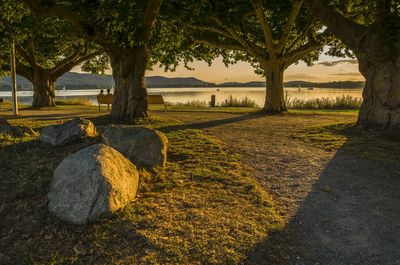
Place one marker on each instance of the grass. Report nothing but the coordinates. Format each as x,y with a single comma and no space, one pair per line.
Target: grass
326,136
204,208
192,104
235,102
339,103
373,145
74,101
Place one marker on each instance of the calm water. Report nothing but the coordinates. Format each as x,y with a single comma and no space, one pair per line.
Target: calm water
183,95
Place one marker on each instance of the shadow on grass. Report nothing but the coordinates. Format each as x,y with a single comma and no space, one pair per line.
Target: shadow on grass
29,233
212,123
351,215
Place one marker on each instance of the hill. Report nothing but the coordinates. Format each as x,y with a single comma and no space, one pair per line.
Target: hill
89,81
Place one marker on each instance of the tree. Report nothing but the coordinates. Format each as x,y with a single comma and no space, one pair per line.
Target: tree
46,49
270,35
125,30
371,29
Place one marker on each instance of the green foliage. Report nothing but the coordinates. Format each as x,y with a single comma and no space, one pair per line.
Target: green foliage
42,42
382,18
208,25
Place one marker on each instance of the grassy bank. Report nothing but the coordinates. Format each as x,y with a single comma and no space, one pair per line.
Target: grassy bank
204,209
338,103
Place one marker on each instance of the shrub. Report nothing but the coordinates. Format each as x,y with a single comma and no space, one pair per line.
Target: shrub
235,102
343,102
193,103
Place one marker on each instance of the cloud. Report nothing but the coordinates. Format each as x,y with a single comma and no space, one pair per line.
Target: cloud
333,63
348,74
298,76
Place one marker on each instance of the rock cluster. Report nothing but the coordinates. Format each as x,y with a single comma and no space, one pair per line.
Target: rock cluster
100,179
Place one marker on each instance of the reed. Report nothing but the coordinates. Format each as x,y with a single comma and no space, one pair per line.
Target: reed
343,102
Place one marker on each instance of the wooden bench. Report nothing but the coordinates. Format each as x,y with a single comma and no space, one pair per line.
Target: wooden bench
151,99
157,100
105,99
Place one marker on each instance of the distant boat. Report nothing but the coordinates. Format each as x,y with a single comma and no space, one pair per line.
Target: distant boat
310,88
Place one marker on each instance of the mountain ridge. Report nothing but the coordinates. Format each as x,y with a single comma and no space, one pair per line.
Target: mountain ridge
73,80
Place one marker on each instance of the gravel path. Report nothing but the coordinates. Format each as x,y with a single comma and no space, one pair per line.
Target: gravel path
339,208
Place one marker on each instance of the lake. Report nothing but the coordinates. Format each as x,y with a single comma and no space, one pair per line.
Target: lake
183,95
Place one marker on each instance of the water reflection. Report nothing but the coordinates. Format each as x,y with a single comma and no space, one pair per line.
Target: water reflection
183,95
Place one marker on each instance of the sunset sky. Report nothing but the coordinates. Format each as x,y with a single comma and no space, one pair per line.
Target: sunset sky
326,69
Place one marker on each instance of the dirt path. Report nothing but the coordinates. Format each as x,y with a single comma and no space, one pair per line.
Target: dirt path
339,208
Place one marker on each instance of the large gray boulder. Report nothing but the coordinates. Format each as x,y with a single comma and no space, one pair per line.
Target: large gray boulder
75,130
143,146
95,181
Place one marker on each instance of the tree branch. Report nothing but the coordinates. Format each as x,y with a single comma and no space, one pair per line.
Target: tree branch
151,13
21,70
79,51
262,18
348,31
54,9
289,24
29,58
220,45
210,29
300,53
236,36
68,66
296,41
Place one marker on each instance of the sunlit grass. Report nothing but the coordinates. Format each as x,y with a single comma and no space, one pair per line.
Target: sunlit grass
205,208
369,144
73,101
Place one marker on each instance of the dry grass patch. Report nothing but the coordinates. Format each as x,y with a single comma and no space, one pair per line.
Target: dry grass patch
203,209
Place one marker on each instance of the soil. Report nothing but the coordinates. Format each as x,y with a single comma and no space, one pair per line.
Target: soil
339,207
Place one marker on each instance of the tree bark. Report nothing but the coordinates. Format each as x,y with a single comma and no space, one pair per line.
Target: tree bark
43,89
274,98
130,97
381,105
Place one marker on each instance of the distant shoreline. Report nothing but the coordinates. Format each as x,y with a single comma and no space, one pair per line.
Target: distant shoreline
77,81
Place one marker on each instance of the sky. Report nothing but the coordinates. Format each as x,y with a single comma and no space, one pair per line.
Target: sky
326,69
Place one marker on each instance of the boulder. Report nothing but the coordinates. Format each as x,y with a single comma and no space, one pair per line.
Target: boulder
94,182
75,130
143,146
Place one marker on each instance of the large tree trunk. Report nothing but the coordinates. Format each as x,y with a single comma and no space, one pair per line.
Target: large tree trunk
130,97
381,69
43,89
274,98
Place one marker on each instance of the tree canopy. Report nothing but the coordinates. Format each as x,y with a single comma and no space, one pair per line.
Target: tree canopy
270,35
371,29
47,47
